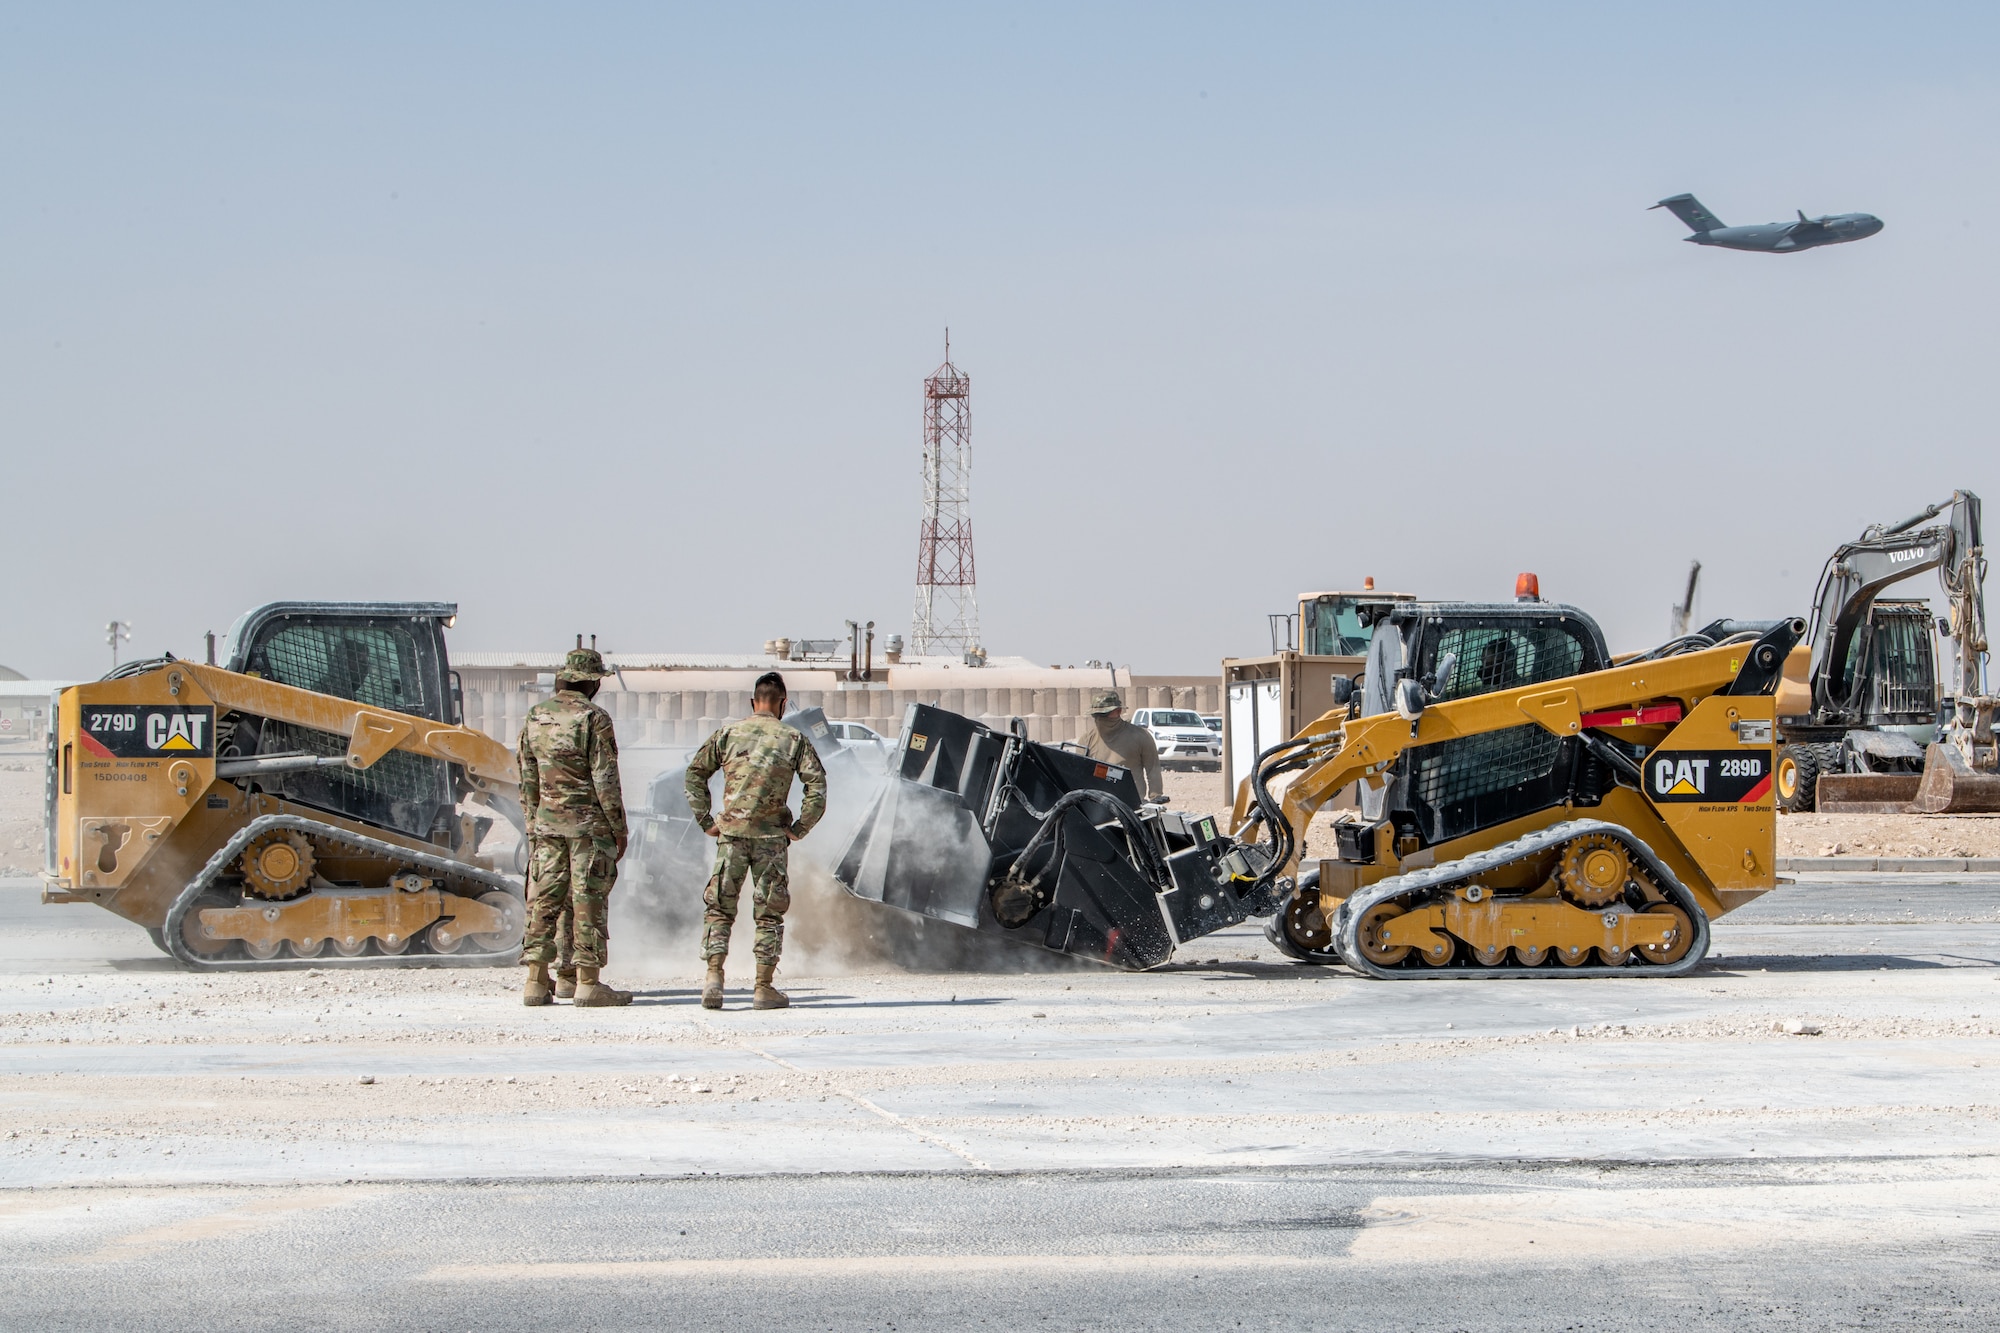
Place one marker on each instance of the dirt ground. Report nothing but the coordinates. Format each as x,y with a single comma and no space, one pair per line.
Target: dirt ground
21,820
1889,835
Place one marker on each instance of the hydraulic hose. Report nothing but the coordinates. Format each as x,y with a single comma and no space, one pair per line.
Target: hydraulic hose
1686,643
1267,766
1050,833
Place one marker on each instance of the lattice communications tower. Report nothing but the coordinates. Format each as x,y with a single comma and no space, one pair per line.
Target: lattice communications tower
946,619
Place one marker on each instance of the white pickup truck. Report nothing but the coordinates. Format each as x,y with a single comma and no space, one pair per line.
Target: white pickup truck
1184,739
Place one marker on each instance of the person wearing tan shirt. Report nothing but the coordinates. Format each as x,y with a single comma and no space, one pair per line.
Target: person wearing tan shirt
1109,739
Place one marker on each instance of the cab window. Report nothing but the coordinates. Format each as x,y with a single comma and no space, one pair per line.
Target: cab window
1333,628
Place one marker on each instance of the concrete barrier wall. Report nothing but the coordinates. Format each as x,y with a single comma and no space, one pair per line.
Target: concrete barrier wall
686,717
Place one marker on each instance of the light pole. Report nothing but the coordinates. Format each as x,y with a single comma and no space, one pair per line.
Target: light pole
114,632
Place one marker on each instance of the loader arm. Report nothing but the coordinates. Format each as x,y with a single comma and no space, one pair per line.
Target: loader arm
371,732
1338,750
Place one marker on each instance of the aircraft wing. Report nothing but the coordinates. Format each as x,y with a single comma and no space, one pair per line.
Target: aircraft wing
1802,232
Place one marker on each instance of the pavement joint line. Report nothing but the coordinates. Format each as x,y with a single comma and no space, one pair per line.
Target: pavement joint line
788,1268
934,1140
1399,1166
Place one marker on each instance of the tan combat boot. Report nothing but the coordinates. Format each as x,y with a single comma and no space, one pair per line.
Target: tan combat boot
565,986
536,990
768,996
711,988
594,994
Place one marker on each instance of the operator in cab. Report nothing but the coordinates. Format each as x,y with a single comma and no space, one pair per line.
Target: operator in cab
1109,739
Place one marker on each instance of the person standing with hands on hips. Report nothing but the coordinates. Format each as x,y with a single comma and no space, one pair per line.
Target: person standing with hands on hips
758,758
568,757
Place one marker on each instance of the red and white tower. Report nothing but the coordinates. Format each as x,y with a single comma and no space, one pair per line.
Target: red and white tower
946,619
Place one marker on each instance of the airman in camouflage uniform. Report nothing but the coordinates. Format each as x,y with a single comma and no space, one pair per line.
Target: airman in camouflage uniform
568,756
759,757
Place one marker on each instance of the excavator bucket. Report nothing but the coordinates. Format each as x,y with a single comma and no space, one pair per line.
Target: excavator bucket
1865,793
1950,786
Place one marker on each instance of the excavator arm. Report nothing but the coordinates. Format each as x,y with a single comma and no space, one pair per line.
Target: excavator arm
1860,570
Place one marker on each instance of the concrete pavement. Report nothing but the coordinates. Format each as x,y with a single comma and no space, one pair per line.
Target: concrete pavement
113,1068
1232,1139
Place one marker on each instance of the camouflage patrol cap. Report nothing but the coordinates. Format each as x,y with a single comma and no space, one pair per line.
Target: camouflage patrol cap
1105,701
582,664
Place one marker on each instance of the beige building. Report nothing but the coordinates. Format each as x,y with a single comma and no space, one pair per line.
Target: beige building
676,700
24,711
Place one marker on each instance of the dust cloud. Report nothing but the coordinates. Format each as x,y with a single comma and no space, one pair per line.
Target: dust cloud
656,913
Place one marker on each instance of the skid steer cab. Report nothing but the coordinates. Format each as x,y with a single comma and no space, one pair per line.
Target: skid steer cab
1526,808
314,800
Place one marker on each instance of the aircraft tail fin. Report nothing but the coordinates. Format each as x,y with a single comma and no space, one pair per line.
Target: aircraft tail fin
1689,210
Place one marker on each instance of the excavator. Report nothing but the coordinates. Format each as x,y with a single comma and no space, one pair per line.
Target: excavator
1527,807
312,801
1861,720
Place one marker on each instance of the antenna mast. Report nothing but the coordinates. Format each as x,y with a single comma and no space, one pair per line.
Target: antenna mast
946,618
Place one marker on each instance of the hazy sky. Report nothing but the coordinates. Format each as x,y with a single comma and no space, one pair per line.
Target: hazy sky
615,319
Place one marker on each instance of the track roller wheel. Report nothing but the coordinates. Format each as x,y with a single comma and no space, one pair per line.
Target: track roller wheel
393,944
1675,949
1373,948
1614,957
508,936
1492,957
1531,955
262,949
349,948
1594,871
311,948
192,934
1300,929
1574,955
1441,953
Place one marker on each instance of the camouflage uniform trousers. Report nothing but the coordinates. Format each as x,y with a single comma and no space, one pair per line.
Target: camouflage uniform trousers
569,878
566,944
763,859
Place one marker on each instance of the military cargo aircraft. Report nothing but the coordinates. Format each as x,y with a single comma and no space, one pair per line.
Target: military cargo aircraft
1772,237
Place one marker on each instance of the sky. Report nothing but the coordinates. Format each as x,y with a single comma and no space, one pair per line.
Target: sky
614,319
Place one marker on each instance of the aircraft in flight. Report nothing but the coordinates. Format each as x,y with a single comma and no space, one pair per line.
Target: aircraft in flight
1780,238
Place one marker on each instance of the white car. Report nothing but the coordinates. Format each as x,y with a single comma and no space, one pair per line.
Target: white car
1184,739
854,736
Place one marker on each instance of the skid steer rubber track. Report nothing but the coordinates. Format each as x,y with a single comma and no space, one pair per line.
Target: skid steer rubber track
445,867
1418,888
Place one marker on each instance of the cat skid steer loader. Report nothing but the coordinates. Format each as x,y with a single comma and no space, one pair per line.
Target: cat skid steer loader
1526,808
304,805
